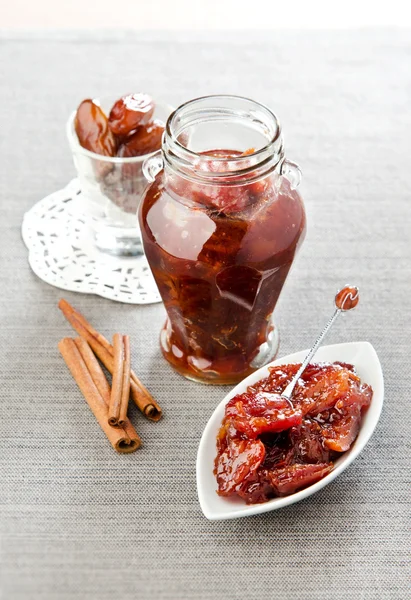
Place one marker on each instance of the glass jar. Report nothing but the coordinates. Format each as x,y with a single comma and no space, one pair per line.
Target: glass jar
221,223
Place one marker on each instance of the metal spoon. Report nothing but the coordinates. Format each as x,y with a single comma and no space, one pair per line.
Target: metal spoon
345,300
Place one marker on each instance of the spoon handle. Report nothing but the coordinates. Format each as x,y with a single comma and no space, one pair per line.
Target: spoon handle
287,393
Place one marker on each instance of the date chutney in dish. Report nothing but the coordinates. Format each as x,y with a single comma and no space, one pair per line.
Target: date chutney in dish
268,446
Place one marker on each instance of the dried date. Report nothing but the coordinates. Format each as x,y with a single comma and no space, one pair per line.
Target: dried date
129,112
92,129
146,139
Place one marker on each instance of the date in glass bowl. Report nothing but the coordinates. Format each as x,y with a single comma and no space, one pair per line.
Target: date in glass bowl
111,189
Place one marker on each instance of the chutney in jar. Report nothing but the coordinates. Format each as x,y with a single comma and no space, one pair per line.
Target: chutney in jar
220,237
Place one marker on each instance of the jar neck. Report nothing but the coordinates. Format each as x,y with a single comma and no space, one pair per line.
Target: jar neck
223,140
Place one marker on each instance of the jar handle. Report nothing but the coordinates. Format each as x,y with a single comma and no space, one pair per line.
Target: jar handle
292,172
152,166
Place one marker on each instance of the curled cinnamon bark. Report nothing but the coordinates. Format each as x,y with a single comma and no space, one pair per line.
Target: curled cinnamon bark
104,350
88,375
94,369
102,384
120,387
125,388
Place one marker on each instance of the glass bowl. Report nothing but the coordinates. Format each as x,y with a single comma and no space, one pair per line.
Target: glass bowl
111,189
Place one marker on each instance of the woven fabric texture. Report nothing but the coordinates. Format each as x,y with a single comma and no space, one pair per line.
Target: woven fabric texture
78,521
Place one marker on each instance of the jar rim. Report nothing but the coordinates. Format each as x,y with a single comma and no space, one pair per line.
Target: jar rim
177,154
171,134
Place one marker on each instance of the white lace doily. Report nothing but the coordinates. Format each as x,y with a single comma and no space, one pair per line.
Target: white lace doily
61,252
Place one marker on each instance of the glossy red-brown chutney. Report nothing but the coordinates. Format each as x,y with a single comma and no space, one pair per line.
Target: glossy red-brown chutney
267,447
220,256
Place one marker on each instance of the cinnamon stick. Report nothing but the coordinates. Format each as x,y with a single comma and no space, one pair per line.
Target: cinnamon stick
117,381
104,350
101,382
122,440
125,388
94,369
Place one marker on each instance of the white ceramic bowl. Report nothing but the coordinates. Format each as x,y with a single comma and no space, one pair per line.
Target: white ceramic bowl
363,356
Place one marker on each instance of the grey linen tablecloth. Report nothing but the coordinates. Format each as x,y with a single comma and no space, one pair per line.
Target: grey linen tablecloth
78,521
